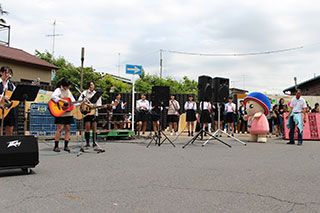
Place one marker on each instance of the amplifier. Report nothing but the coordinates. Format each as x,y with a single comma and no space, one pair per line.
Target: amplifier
18,152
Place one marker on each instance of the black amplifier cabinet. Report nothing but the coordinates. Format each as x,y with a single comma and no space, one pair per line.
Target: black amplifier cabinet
18,152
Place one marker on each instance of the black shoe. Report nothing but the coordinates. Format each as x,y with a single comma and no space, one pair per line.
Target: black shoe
94,145
290,142
87,145
188,134
299,144
66,149
56,149
192,134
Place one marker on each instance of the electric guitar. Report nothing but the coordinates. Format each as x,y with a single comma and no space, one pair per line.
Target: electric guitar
59,108
7,105
82,111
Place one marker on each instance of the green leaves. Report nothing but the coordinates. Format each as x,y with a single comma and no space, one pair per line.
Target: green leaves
146,81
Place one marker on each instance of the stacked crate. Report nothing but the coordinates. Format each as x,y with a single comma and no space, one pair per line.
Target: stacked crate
42,122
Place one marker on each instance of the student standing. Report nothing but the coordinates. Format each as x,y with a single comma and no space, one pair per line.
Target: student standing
230,108
190,107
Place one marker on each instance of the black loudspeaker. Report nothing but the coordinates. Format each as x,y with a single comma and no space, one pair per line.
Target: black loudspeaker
160,96
18,152
220,89
205,88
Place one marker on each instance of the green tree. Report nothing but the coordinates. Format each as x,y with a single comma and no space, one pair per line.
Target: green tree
2,12
146,81
68,70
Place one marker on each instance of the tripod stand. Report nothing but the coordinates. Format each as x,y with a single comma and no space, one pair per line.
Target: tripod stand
157,137
200,133
219,131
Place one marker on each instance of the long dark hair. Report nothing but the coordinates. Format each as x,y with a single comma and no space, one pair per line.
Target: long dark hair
63,82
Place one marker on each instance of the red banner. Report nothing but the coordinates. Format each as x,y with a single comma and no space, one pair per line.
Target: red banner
310,130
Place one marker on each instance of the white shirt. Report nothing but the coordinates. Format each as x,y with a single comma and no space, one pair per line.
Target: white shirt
57,94
298,105
190,105
114,107
141,103
206,105
230,107
88,94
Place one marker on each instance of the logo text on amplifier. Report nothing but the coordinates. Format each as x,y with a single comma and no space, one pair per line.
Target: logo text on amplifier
15,143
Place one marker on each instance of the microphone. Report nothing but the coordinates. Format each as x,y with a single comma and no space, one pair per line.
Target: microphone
9,77
74,84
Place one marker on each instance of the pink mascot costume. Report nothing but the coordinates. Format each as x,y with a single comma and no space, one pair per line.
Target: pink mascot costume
258,106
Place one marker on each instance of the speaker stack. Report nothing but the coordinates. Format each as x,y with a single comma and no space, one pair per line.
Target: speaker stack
213,89
205,91
221,90
160,96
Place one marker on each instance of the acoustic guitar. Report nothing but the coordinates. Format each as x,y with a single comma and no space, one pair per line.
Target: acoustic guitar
59,108
82,111
7,105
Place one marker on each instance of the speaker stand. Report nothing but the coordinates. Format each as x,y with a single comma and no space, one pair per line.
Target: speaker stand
219,132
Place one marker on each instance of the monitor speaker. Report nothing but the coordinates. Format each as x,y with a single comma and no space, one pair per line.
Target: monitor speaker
220,89
18,152
160,96
205,88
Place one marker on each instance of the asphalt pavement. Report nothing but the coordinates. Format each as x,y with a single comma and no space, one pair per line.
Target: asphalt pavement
128,177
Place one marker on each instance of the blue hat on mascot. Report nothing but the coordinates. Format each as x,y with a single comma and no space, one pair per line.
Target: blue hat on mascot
261,98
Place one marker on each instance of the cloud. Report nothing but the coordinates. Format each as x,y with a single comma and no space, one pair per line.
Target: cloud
138,29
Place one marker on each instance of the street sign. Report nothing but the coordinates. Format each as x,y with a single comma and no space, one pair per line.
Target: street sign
133,69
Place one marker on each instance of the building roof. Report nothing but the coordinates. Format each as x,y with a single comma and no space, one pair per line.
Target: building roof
302,84
238,90
21,56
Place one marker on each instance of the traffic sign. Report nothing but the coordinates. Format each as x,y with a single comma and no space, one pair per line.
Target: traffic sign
133,69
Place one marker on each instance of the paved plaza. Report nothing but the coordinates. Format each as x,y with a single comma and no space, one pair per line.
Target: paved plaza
128,177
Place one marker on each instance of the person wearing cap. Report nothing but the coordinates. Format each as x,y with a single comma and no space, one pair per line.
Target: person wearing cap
297,106
258,107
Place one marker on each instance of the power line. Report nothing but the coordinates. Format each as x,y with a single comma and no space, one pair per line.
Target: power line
234,54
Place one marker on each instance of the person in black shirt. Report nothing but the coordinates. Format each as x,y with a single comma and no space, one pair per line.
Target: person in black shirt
282,109
118,107
242,113
316,108
6,85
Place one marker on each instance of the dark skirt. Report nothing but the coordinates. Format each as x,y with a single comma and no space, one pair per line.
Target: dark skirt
190,115
10,119
143,116
172,118
230,117
90,118
64,120
205,116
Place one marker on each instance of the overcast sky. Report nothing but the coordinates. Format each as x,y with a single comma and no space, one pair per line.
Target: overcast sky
138,29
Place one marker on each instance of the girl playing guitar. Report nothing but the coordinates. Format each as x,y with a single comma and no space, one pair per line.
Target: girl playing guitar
63,122
6,85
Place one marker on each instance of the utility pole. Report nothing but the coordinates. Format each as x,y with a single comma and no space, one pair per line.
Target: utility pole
161,63
53,35
118,64
82,60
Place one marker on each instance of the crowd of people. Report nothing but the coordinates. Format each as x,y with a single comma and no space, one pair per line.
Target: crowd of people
231,116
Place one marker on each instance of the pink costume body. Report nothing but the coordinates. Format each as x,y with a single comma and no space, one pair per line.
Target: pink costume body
258,125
